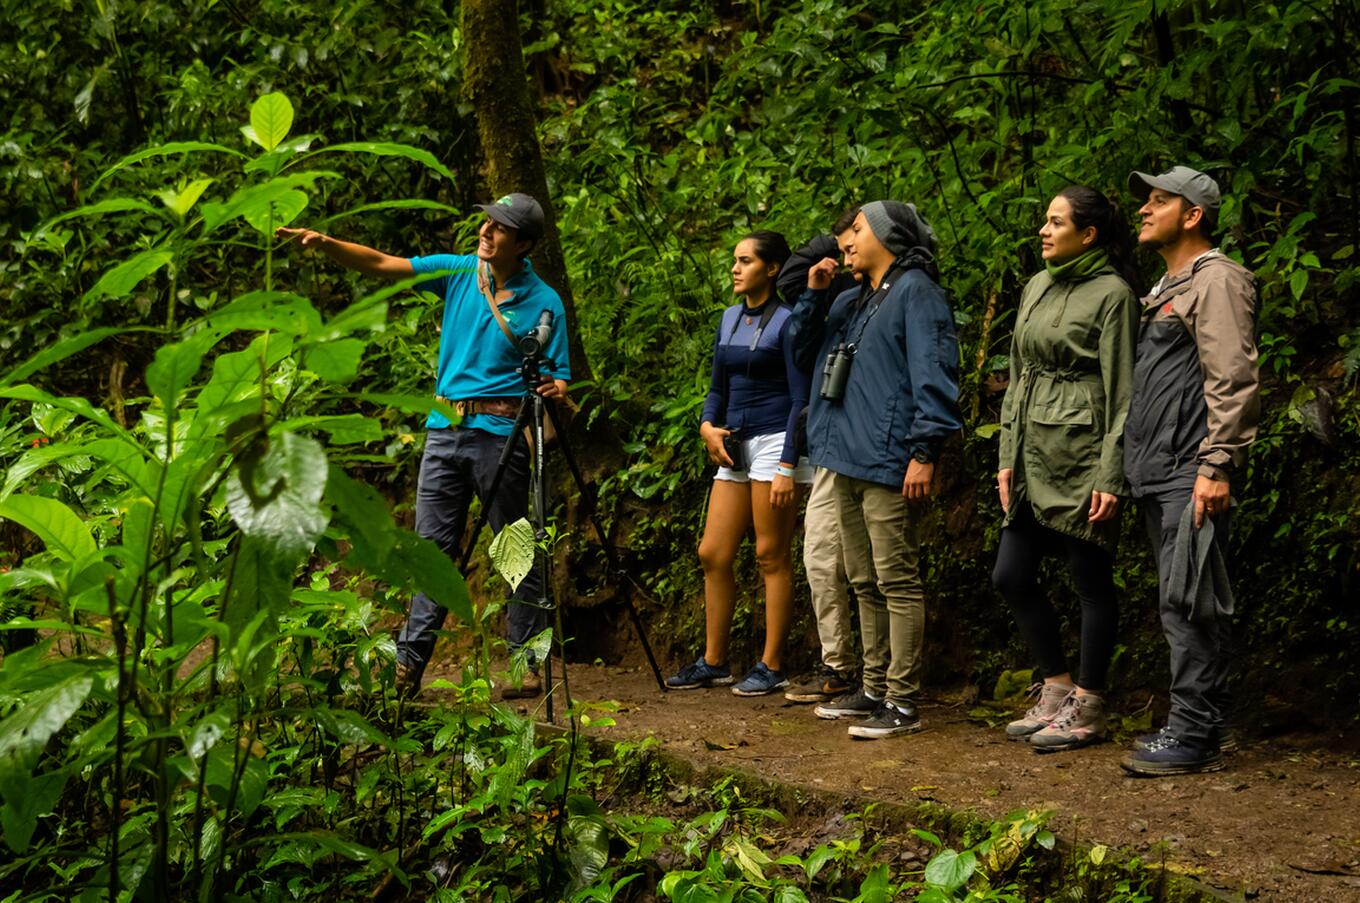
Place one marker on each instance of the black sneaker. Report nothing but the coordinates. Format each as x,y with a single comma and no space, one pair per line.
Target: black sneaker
1168,756
887,721
851,704
826,686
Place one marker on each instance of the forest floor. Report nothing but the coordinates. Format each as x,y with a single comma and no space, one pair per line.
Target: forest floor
1280,822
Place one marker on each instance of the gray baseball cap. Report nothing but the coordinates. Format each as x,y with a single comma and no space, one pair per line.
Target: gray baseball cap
1191,184
518,211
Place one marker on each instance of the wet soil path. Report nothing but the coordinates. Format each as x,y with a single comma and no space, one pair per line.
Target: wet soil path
1280,822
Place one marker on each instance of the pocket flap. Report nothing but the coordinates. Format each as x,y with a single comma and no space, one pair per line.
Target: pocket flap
1061,416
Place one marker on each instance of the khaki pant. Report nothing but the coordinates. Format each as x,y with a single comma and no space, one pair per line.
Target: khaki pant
826,575
881,547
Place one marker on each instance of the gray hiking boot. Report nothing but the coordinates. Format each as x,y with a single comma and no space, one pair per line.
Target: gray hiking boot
1042,713
1080,722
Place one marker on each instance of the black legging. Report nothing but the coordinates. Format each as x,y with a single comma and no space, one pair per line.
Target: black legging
1016,576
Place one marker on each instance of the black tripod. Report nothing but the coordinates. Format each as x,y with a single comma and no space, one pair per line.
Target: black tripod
532,409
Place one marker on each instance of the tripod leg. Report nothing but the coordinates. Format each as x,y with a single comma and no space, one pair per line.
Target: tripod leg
610,552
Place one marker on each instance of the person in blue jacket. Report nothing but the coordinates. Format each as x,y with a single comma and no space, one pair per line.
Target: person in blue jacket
479,375
751,415
884,398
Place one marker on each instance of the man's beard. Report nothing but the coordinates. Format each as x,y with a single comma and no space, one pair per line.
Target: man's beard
1156,244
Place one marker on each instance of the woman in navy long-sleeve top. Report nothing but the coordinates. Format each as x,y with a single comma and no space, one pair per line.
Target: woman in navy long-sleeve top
754,402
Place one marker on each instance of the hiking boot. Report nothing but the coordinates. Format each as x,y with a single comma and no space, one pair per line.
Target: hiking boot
850,704
1080,722
1167,756
1042,713
760,681
1227,740
531,685
700,674
826,686
407,683
888,720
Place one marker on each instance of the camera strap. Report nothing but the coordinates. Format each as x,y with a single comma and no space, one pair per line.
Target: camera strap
873,302
484,283
766,316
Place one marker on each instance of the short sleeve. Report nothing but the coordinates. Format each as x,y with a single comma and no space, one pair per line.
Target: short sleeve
448,264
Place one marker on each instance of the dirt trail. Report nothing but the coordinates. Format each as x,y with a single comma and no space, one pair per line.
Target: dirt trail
1281,822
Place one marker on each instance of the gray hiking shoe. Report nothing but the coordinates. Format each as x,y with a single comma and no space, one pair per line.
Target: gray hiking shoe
854,704
1080,722
1042,713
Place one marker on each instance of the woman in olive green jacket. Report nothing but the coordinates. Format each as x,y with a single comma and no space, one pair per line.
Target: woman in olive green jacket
1061,469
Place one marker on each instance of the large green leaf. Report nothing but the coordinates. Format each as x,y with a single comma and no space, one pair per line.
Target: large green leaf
280,212
163,150
403,204
257,198
181,200
335,361
112,205
271,118
26,800
64,534
951,870
25,732
77,406
276,497
421,563
411,404
261,311
236,376
344,429
177,364
389,149
589,848
512,552
123,278
364,511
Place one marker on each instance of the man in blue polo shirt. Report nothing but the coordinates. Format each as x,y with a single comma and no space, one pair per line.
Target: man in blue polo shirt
478,375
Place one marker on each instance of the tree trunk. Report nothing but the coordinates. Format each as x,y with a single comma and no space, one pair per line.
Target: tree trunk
496,86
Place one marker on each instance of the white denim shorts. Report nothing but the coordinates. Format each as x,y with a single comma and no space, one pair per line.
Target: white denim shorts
762,454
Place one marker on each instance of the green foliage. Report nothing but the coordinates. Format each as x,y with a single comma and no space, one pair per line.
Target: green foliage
190,694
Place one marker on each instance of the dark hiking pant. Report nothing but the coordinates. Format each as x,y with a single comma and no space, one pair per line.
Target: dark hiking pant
457,464
1024,543
1199,691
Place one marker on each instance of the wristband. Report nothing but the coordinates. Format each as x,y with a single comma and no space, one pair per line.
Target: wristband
784,470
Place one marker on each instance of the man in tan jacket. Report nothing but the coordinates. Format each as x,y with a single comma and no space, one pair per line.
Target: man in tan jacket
1193,416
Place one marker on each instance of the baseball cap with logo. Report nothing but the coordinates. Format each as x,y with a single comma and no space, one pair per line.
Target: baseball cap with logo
518,211
1196,187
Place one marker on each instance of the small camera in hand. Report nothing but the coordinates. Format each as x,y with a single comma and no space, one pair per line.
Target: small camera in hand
736,450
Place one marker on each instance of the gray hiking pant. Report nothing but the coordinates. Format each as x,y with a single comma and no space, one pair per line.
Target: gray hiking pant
1199,691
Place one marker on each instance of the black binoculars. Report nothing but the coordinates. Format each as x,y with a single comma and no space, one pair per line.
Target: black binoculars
836,372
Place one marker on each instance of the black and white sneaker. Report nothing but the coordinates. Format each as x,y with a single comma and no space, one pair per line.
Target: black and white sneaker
887,721
854,704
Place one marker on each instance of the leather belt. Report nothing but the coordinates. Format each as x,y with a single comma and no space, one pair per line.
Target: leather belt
499,407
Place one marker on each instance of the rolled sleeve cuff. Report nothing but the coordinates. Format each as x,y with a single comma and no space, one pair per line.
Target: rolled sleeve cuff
1214,472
